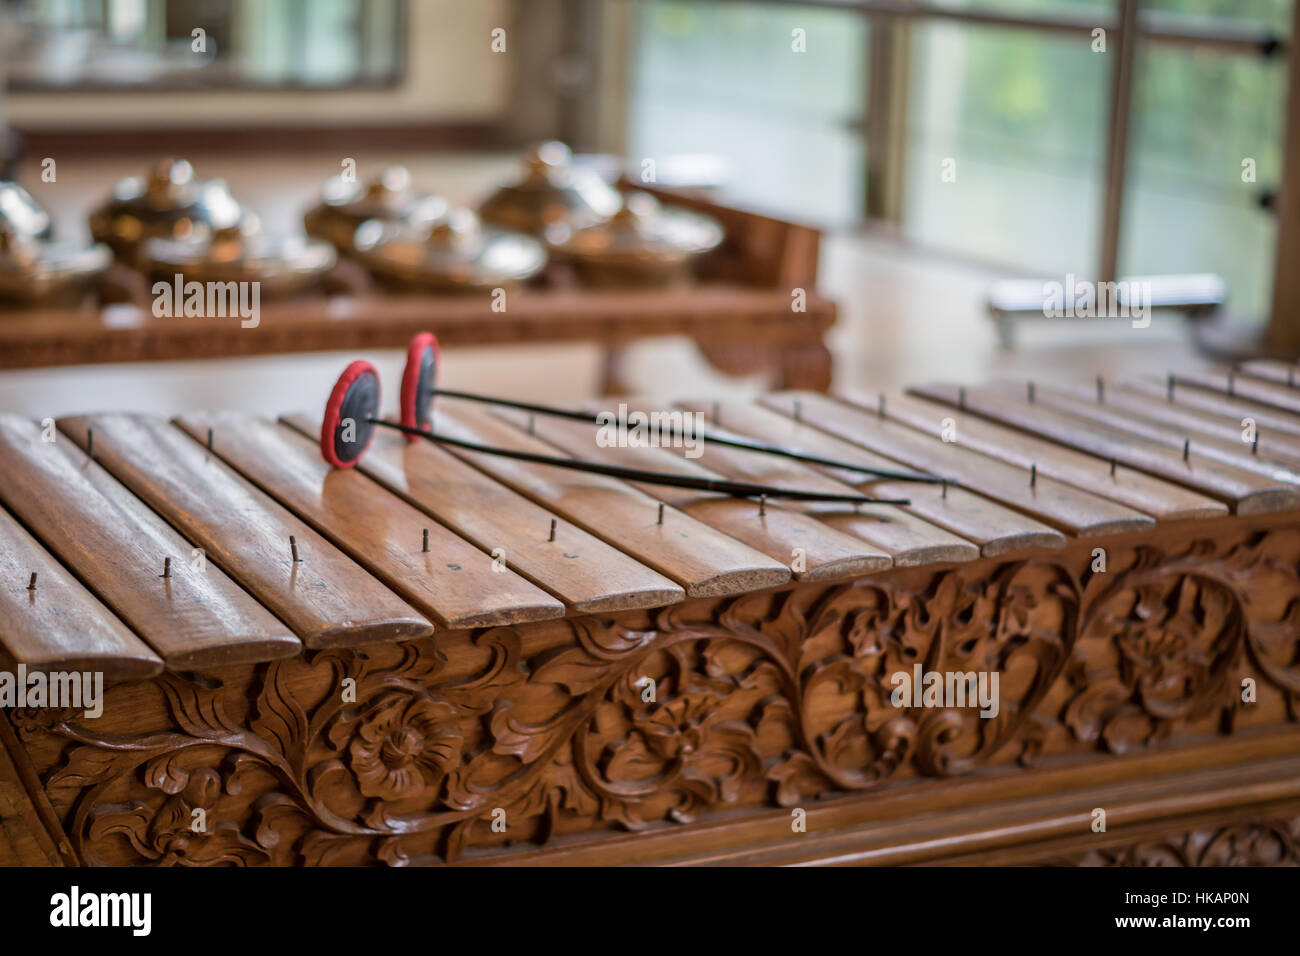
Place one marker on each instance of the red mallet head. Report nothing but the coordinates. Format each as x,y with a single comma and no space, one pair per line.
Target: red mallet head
346,430
419,382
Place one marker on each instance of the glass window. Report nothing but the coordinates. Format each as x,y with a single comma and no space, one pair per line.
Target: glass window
1005,145
725,79
1189,205
1004,132
1271,13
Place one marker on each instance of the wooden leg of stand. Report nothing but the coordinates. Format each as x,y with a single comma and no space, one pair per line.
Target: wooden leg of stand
611,373
805,367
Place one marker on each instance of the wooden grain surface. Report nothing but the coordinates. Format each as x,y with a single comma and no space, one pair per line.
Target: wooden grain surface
1216,403
1244,491
1030,816
907,539
117,546
326,598
1177,419
453,582
1160,499
706,562
1277,464
59,625
1044,499
1271,370
577,567
813,550
956,512
722,314
1278,395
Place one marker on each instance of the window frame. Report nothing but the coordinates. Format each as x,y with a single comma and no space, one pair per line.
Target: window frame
1128,28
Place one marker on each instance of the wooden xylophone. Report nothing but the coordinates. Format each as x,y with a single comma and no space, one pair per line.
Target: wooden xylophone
442,655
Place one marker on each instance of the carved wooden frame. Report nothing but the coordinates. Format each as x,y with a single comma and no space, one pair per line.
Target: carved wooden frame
538,742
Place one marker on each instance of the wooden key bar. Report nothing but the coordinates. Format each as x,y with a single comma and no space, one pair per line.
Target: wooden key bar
1215,404
1177,419
907,539
1245,386
1270,370
322,594
995,529
704,561
1160,499
49,621
1276,466
187,610
1244,491
438,572
777,528
1043,498
578,568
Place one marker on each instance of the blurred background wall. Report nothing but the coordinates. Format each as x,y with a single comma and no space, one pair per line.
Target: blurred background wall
1072,150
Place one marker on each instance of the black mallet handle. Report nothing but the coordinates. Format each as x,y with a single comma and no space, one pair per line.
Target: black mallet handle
747,444
740,489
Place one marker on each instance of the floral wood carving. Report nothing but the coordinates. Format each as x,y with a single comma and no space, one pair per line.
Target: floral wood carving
1259,843
459,745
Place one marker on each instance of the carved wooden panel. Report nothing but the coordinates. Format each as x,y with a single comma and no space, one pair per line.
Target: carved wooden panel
1266,842
408,753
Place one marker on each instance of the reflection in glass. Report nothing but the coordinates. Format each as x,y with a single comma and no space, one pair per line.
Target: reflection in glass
204,44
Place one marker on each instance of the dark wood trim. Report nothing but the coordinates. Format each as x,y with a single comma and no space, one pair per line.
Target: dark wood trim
711,314
268,138
965,821
1283,332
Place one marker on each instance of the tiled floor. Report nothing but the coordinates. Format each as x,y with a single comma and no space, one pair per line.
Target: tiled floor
907,316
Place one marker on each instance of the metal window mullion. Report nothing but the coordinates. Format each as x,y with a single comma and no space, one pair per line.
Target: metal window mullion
1121,108
1283,331
1153,26
886,118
